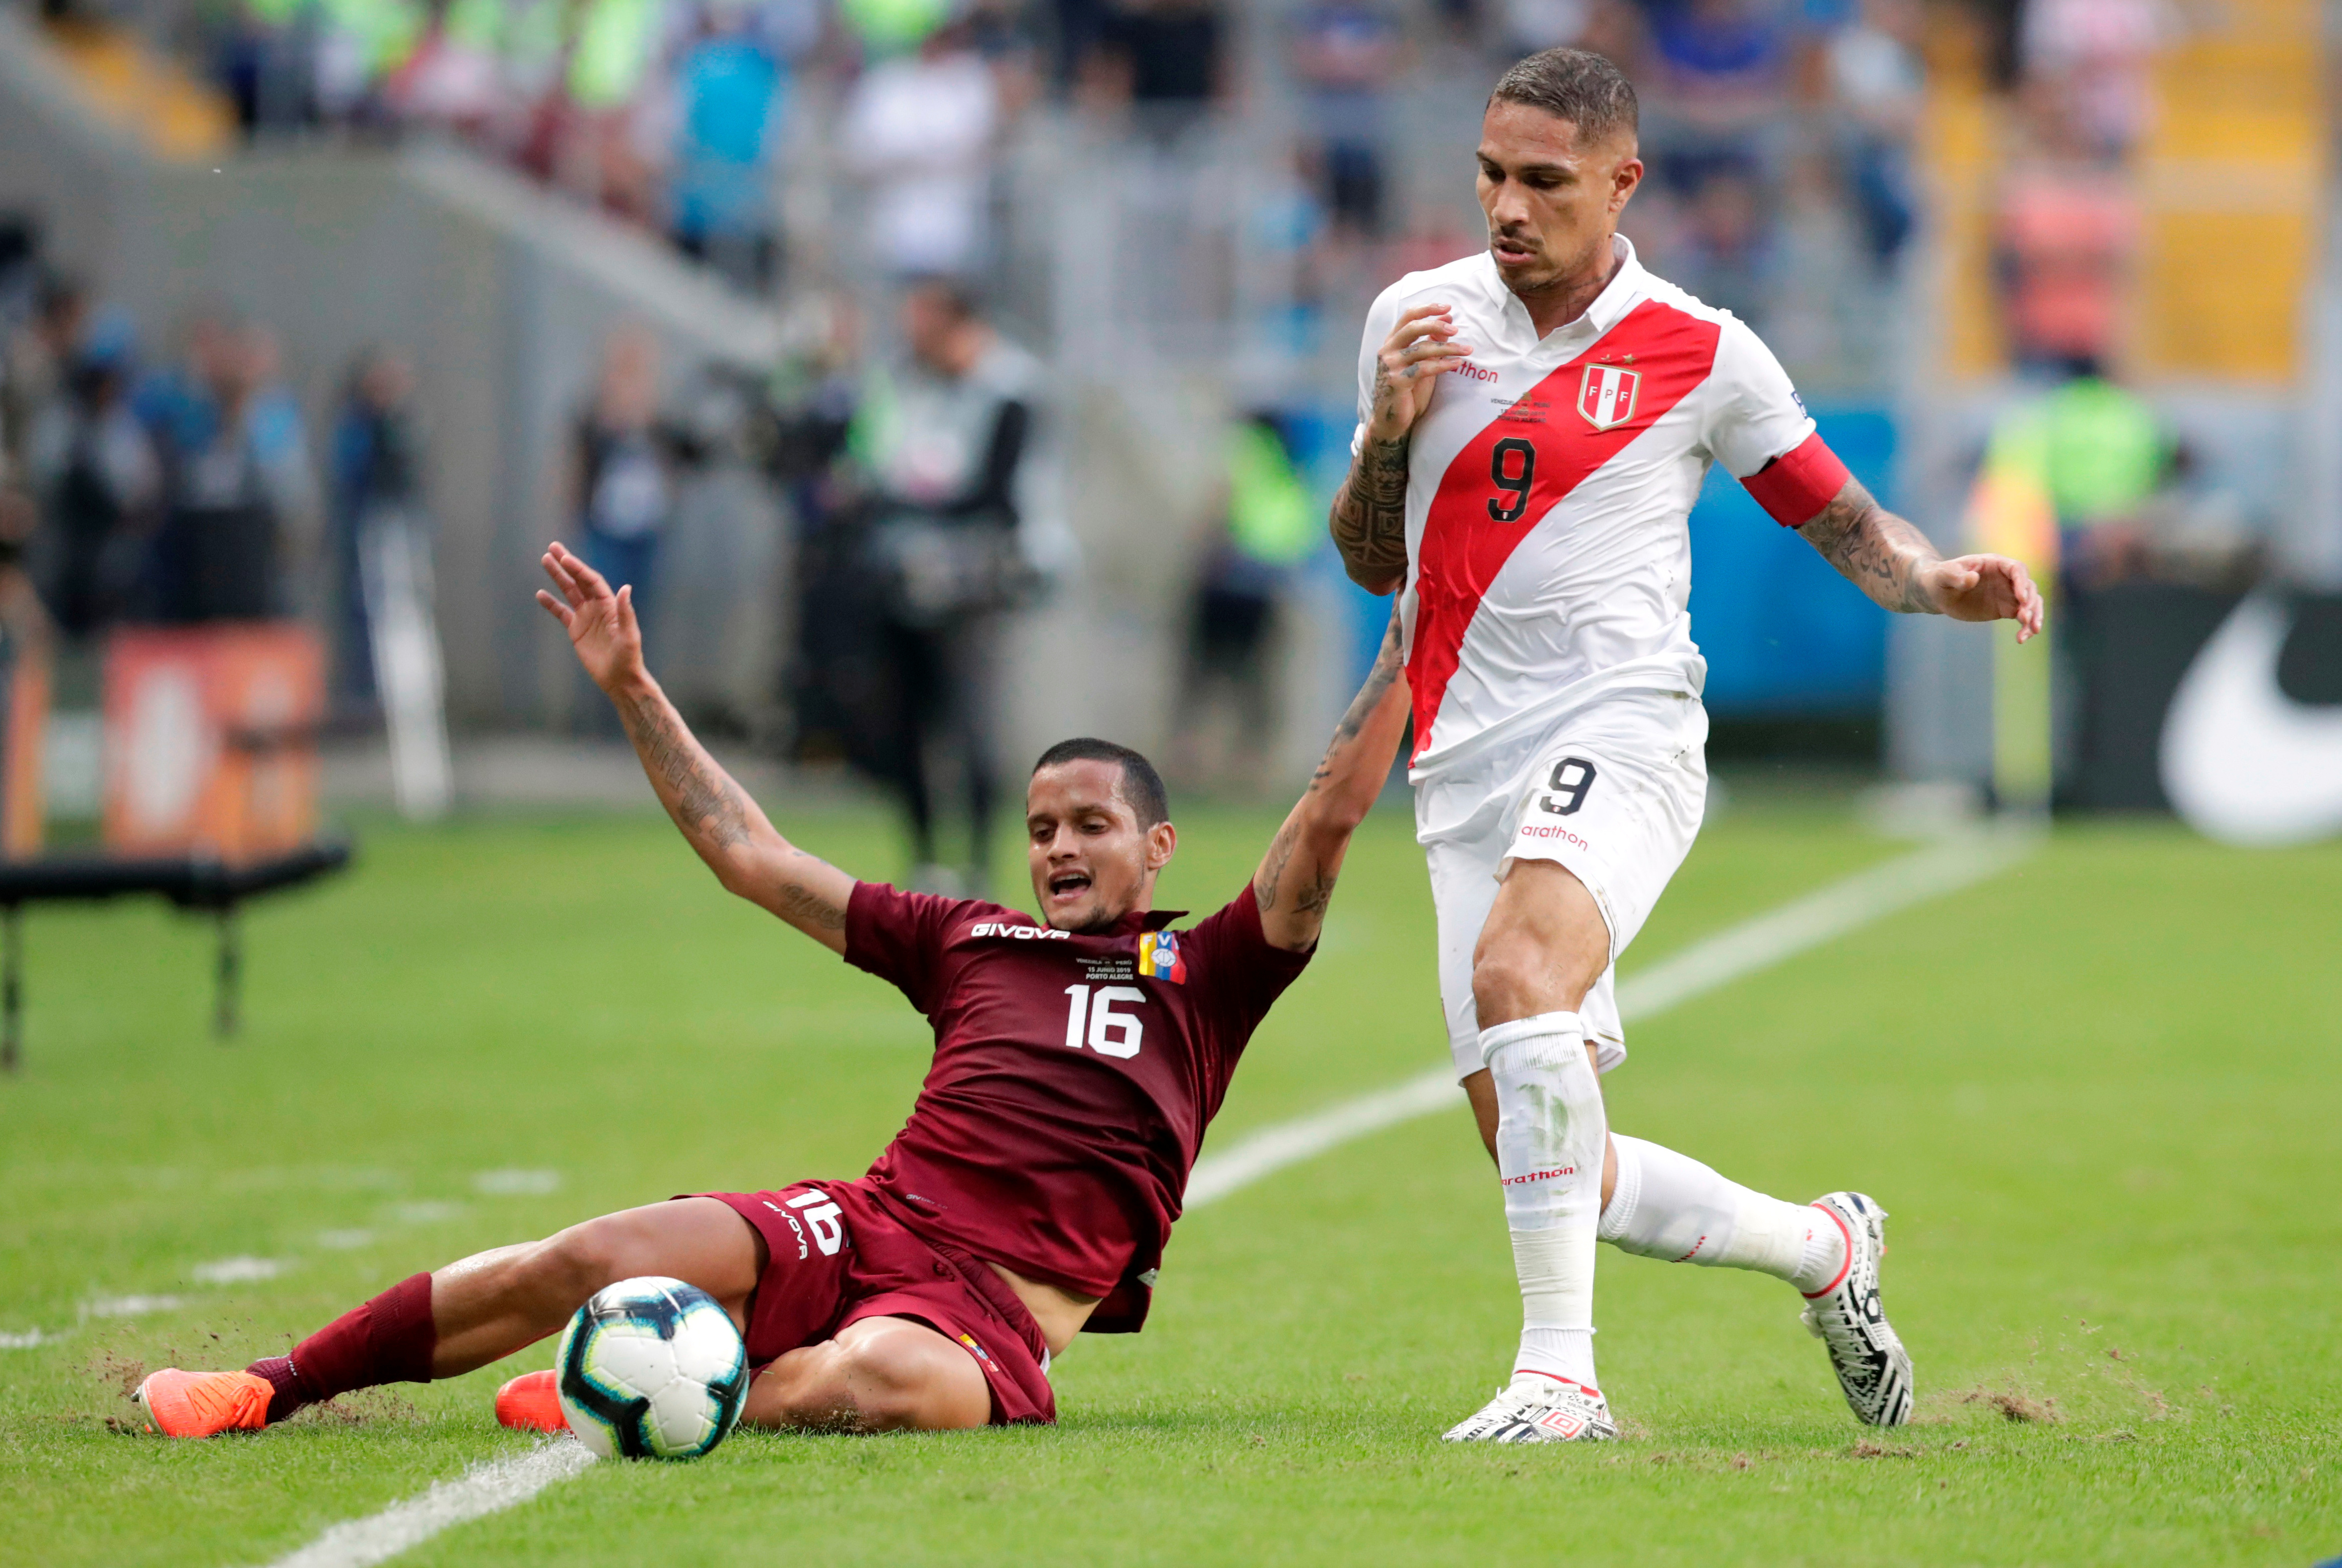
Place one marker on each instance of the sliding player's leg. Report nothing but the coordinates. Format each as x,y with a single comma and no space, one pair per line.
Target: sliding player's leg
878,1374
468,1315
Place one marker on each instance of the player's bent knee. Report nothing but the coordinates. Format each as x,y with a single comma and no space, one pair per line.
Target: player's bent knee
577,1262
1509,984
905,1377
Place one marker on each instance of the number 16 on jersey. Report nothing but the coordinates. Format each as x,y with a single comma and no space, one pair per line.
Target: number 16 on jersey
1092,1021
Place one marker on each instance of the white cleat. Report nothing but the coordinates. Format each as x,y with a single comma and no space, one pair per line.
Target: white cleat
1872,1366
1534,1408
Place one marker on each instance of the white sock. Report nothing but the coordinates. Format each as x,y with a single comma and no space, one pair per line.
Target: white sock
1550,1130
1670,1206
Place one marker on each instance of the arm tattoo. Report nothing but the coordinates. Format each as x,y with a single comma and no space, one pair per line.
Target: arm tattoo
801,905
706,804
1369,517
1877,551
1314,896
716,816
1272,869
1363,705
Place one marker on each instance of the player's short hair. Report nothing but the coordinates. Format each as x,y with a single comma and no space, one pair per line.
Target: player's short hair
1573,84
1141,787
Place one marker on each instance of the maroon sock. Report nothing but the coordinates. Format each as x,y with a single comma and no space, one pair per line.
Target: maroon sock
387,1340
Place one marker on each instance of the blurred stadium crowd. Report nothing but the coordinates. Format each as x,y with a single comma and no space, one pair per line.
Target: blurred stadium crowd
946,199
684,114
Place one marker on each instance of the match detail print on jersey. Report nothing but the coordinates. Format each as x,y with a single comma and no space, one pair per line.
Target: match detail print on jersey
1534,453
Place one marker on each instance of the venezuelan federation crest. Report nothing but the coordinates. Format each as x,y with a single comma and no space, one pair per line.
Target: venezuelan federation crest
1159,957
1605,395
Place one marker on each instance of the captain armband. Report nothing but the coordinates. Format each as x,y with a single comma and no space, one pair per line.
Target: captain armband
1794,487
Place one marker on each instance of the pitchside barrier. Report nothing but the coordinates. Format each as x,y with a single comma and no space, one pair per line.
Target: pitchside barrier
211,787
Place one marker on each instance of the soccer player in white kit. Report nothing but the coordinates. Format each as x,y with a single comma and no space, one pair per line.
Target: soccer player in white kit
1534,423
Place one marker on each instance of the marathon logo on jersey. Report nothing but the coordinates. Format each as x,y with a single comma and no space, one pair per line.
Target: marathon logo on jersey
1605,395
1020,933
1159,957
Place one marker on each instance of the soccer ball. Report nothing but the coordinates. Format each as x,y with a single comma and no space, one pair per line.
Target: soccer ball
652,1368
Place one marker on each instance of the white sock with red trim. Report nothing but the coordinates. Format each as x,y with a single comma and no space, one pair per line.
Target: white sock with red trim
1550,1128
1670,1206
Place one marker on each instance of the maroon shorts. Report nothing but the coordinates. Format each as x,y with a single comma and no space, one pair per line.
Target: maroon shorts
839,1254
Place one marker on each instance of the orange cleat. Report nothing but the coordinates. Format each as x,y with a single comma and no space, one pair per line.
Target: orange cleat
530,1403
202,1403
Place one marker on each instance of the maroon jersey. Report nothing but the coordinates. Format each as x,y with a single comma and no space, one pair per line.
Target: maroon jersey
1073,1077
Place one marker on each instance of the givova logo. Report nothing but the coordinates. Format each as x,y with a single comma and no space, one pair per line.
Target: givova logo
1020,933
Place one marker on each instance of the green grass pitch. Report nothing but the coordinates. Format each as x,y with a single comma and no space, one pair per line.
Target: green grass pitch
2100,1096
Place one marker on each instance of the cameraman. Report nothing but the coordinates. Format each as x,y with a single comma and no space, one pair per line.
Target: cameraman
944,440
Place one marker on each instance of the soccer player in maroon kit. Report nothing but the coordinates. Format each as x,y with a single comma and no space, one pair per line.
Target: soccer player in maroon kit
1078,1062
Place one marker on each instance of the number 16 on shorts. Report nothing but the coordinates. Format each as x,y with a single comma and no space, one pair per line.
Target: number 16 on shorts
1572,777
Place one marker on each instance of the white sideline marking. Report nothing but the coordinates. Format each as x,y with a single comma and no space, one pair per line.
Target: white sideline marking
238,1271
516,1183
1759,943
483,1490
130,1306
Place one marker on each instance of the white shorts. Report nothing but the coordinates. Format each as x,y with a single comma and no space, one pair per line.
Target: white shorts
1612,792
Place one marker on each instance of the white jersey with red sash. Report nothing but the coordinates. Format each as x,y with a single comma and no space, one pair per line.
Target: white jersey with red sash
1549,487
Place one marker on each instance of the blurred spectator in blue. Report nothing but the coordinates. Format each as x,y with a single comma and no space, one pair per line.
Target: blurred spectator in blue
1346,55
622,478
919,131
265,60
99,483
1723,250
1879,85
1266,527
237,488
1720,60
1716,71
945,441
1166,58
730,84
377,482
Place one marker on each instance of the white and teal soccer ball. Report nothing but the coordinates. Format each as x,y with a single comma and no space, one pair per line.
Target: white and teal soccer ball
652,1368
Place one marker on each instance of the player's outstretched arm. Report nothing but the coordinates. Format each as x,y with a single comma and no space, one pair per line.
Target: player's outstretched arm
1892,562
1295,880
731,834
1369,516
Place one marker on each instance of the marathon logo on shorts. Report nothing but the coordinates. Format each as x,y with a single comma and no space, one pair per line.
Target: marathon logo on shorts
1552,830
1159,957
1526,1177
1605,395
1020,933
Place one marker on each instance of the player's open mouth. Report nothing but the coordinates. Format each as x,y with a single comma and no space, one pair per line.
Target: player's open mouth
1066,884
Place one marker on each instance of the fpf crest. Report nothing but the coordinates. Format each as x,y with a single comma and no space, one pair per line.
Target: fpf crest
1605,395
